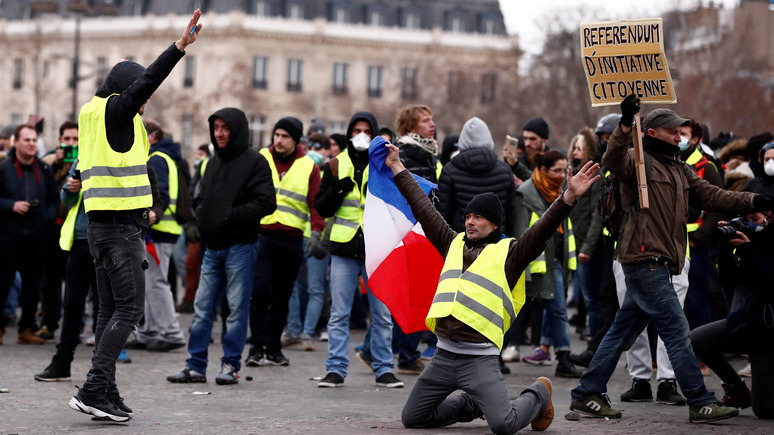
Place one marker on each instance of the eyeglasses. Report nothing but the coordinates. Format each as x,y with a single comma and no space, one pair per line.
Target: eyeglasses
315,145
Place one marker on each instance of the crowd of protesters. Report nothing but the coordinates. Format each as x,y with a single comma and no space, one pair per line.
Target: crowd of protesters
271,241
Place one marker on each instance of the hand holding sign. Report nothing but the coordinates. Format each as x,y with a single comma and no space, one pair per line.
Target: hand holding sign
630,106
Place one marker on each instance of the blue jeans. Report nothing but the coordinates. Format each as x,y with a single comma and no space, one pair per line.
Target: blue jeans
119,253
587,279
556,328
649,297
314,287
230,270
344,279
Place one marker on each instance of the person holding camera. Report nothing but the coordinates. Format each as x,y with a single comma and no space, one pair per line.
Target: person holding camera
651,248
28,206
749,328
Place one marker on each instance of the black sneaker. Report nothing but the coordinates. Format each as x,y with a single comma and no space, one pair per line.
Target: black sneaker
164,346
331,380
388,380
413,368
97,405
119,402
54,373
135,345
254,357
667,393
639,392
365,358
711,412
273,358
187,376
228,375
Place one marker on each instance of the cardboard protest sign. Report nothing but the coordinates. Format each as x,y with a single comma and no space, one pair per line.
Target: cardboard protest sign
626,57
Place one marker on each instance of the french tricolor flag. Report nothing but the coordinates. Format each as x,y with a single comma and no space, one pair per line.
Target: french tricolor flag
403,266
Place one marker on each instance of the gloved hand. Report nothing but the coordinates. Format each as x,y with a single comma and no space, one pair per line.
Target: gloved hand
315,247
763,202
192,233
630,106
345,185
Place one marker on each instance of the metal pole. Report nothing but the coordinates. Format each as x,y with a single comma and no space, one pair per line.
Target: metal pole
76,61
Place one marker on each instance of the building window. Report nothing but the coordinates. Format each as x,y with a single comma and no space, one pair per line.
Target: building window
456,20
339,15
376,18
102,70
340,72
258,129
488,85
18,73
261,8
190,69
16,118
260,65
136,9
411,19
375,81
487,22
453,87
488,27
409,90
197,4
186,131
294,10
295,67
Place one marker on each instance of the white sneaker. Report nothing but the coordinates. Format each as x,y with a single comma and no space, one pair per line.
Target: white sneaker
511,354
746,372
324,336
91,340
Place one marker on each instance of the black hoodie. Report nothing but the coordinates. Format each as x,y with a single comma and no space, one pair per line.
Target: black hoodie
329,198
237,190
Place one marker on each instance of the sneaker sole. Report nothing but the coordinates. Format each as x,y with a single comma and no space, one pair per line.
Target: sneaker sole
225,382
362,360
42,379
591,414
267,363
329,385
187,381
390,385
536,363
636,400
673,403
79,406
699,421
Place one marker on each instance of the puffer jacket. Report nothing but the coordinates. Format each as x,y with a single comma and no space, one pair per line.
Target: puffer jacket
660,230
474,171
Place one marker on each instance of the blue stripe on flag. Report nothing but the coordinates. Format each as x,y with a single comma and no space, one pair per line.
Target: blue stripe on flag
381,183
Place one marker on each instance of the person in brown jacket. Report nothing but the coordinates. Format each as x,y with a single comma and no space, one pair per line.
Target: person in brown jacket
651,247
477,298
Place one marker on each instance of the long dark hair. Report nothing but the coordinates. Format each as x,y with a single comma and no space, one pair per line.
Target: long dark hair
548,159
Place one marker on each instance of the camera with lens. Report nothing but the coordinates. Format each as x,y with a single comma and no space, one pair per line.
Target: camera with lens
70,152
34,207
728,231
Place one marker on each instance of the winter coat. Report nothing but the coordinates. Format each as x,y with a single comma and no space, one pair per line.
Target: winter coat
19,183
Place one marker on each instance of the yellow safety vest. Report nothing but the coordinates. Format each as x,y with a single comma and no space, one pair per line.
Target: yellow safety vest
538,265
479,297
167,222
203,166
67,233
438,170
292,192
349,216
112,180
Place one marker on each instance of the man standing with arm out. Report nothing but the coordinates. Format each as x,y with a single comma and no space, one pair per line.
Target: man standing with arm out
281,247
116,195
651,247
237,192
478,296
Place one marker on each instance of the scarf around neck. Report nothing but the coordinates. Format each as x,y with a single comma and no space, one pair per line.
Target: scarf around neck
549,189
428,145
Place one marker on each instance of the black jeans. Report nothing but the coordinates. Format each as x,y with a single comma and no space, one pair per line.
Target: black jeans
711,340
26,255
119,263
53,276
79,278
276,268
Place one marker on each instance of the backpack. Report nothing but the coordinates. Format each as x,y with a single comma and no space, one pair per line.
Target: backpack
183,214
611,209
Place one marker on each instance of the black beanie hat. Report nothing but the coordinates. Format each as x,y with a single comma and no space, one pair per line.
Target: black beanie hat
293,126
487,205
539,126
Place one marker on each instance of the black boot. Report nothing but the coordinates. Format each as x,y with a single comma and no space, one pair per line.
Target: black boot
582,359
564,367
737,395
639,392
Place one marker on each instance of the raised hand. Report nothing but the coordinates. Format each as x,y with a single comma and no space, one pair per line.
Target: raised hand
393,159
190,35
578,185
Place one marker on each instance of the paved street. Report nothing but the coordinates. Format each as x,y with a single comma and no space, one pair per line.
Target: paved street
287,400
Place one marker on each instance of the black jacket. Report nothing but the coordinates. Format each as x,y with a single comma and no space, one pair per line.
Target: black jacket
418,161
471,172
330,195
159,165
19,183
237,190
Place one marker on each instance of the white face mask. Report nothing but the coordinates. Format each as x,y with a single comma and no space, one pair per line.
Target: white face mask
361,142
768,168
683,143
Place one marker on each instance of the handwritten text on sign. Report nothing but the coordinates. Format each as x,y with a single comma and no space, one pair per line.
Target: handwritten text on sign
626,57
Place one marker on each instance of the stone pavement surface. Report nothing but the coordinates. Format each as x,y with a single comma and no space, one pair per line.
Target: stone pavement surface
286,400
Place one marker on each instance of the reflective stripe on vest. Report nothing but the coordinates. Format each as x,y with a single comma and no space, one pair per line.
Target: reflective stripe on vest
112,180
438,170
67,233
699,162
538,265
349,216
480,296
292,191
167,222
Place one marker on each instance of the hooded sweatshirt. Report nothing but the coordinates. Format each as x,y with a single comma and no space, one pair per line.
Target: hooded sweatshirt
329,198
476,169
237,190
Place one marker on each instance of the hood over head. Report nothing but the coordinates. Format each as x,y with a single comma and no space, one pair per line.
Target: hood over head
361,116
120,78
239,139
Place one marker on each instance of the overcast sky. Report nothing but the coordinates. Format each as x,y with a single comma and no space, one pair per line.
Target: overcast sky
530,18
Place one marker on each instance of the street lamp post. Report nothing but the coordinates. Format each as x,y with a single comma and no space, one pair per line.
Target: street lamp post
78,8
